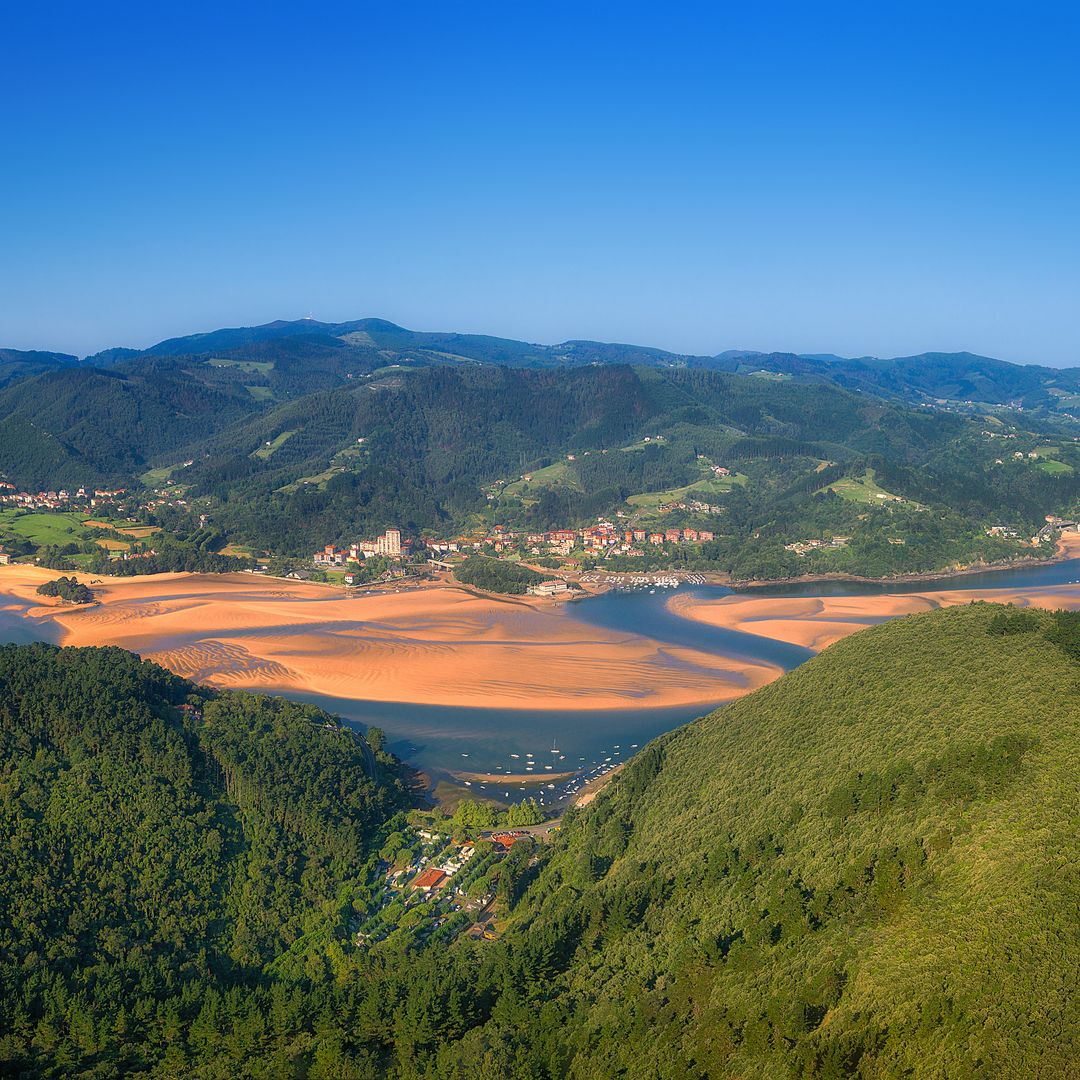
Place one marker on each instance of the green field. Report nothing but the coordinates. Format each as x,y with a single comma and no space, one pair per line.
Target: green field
260,393
863,489
267,449
775,376
248,367
1051,466
342,461
561,474
156,477
43,528
642,444
702,489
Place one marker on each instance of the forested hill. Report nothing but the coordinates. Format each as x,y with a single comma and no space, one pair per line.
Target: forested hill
77,425
16,365
280,354
870,868
162,845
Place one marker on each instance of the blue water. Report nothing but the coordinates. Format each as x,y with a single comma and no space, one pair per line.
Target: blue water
1037,575
441,739
16,629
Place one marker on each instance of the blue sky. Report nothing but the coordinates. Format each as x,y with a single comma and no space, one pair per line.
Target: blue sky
864,178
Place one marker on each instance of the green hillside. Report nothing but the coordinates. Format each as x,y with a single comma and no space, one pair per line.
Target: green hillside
870,868
445,448
16,365
979,384
295,435
79,425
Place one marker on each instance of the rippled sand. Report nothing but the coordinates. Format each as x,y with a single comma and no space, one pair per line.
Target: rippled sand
434,645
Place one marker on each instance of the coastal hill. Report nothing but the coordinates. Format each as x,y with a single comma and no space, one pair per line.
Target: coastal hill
163,844
868,868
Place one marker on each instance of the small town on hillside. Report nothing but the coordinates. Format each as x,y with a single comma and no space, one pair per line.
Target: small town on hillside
93,499
604,537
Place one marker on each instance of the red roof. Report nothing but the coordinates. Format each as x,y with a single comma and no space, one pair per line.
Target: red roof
508,839
430,879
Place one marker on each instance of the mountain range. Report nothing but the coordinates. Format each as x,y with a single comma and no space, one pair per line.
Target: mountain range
333,350
297,434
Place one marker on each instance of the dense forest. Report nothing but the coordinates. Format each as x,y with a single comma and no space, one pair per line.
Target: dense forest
162,845
867,868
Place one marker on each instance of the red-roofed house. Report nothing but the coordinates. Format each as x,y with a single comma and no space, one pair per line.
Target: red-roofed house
429,880
507,840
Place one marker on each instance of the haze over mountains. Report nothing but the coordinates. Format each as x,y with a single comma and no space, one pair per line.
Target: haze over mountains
335,348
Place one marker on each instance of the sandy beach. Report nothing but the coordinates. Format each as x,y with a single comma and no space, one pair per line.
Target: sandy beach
442,644
816,622
439,645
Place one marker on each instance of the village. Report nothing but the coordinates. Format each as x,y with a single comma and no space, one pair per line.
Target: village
92,499
600,540
431,882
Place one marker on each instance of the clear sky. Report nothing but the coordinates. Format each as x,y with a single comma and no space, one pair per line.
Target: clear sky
865,178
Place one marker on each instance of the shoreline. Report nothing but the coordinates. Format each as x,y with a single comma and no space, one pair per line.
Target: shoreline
594,787
541,777
1061,554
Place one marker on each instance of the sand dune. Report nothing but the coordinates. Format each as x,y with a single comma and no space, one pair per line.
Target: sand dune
437,645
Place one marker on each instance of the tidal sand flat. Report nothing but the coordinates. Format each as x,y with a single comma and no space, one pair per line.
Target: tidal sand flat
436,645
816,622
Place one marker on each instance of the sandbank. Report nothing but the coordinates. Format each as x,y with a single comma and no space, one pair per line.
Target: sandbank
439,644
816,622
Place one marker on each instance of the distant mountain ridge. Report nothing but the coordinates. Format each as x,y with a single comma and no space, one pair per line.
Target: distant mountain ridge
959,376
925,377
16,364
183,389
